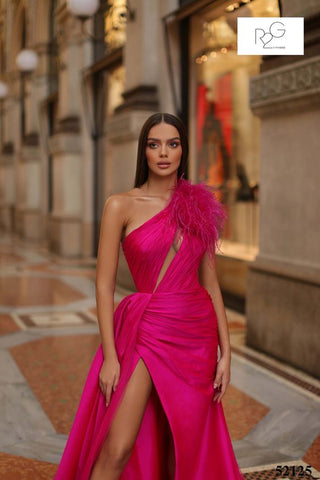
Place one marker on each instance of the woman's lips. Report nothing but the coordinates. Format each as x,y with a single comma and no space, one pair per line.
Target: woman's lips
163,165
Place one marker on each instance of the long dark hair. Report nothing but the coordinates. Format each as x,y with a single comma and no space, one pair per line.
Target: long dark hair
142,169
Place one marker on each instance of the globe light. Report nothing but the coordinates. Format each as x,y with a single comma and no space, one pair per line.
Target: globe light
83,8
3,90
27,60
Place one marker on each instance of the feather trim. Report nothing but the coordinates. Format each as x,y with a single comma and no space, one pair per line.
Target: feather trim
196,211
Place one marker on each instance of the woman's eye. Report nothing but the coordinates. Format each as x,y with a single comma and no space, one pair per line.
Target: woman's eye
174,144
152,145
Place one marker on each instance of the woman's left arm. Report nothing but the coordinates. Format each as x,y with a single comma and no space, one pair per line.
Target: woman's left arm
208,279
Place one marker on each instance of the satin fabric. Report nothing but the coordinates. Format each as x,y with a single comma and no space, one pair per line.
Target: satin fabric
173,327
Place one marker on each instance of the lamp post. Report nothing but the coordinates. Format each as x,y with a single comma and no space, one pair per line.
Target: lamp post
3,94
27,61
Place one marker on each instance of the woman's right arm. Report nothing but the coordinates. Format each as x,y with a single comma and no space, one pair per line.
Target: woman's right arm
112,222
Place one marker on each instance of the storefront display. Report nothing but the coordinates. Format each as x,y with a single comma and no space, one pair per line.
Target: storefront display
225,134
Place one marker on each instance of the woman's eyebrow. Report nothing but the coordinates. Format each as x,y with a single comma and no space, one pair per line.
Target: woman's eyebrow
158,139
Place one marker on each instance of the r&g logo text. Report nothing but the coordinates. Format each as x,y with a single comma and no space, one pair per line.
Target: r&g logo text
267,38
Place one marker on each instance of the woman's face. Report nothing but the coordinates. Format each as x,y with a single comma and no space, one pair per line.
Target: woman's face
163,150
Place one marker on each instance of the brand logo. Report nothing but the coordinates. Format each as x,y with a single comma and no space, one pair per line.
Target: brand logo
270,35
276,30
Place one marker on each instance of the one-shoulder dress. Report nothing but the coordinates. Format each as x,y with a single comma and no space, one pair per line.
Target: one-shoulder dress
172,326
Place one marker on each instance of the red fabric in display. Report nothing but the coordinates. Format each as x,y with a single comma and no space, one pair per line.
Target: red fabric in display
173,327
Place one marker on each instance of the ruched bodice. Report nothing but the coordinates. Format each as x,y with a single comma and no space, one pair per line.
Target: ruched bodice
146,248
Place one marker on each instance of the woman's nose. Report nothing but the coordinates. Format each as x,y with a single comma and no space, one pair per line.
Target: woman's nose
163,150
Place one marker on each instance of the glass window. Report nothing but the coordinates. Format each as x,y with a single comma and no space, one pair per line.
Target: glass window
225,134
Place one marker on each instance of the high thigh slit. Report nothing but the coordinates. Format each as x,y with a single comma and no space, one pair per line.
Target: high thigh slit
170,322
153,412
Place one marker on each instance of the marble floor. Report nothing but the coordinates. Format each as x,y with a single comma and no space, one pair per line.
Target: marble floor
48,336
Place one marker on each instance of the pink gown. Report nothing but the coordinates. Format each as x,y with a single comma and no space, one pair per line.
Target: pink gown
173,327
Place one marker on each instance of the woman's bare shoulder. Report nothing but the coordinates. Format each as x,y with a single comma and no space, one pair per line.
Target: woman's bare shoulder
121,202
123,198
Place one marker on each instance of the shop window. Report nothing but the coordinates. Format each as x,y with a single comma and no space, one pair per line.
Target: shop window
225,134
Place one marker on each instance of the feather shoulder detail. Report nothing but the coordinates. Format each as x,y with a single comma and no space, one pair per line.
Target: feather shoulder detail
195,210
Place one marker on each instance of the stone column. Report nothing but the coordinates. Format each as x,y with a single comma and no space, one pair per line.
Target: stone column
7,188
72,175
283,294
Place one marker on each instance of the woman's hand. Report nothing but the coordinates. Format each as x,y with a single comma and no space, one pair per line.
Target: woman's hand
222,378
109,377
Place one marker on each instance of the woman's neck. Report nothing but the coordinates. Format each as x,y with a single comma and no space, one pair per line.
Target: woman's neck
161,187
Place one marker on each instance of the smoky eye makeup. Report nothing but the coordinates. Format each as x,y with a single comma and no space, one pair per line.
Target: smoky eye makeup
154,142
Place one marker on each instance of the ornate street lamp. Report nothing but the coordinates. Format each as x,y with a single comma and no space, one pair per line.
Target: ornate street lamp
27,61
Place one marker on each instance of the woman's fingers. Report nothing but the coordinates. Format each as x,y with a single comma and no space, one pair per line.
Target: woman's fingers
115,384
217,381
108,393
109,378
221,392
220,386
106,390
102,388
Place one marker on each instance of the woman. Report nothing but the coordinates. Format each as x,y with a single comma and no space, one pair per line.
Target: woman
150,409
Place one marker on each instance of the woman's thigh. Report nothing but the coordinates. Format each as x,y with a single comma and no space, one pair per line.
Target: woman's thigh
127,420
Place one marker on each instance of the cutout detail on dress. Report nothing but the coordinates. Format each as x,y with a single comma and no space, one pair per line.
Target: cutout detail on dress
172,253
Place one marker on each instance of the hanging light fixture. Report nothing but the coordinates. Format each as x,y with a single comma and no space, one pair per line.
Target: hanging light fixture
27,61
83,9
3,90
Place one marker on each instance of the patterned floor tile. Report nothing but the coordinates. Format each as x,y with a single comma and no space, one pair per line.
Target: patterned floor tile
7,325
242,412
6,258
39,267
303,381
55,319
27,290
56,369
312,456
20,468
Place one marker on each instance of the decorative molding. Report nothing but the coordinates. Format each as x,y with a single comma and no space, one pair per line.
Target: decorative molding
293,269
64,143
8,148
7,159
143,97
30,154
31,139
126,126
286,89
69,124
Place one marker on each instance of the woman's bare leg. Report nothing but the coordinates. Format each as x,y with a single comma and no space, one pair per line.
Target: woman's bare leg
124,429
